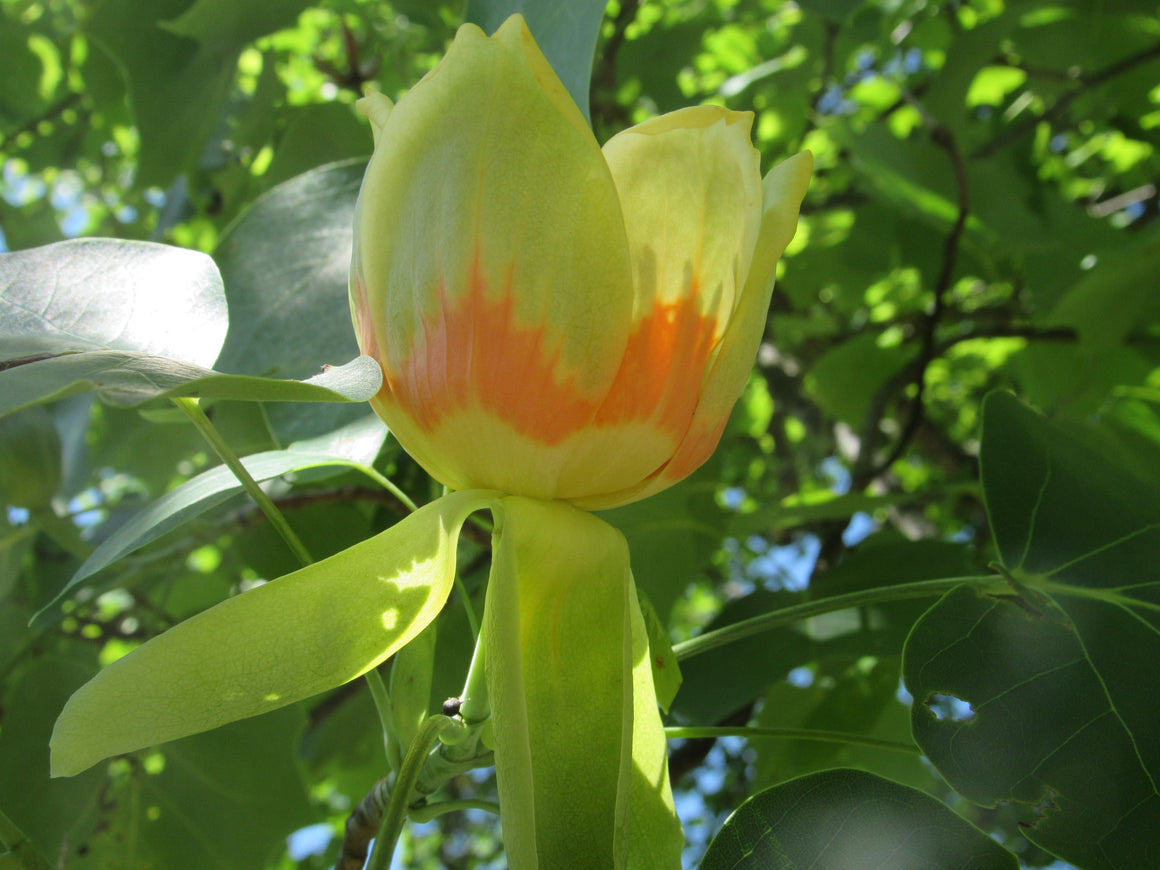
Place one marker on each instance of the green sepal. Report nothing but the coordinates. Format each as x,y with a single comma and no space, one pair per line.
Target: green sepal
302,634
581,756
556,625
656,838
666,671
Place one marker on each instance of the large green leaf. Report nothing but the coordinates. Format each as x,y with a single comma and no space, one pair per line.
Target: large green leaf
841,819
133,321
92,294
285,263
565,32
271,646
1061,680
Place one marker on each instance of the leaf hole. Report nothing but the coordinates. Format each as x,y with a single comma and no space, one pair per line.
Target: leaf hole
949,707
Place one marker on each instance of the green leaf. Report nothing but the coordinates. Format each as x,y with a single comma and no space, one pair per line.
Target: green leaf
48,812
671,534
283,641
30,458
192,499
843,818
1115,298
133,321
285,263
239,791
845,379
714,686
126,378
1061,679
179,71
565,32
90,294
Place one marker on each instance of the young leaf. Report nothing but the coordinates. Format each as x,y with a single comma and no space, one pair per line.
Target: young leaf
192,499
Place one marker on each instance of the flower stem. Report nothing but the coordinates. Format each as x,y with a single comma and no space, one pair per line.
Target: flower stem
210,433
787,615
396,811
714,731
422,815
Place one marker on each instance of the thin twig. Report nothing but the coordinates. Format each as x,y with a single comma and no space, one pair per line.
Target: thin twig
865,469
605,71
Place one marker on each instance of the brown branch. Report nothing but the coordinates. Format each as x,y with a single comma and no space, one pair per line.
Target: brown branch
604,75
52,112
361,827
865,469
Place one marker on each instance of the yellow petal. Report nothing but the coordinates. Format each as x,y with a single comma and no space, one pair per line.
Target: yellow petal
690,190
491,273
784,188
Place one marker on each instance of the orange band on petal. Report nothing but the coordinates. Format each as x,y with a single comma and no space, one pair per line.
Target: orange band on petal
660,376
475,354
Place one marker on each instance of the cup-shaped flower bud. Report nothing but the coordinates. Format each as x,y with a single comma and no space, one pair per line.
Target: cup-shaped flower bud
555,320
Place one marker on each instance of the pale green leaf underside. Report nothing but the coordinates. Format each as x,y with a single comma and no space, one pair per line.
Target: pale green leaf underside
128,378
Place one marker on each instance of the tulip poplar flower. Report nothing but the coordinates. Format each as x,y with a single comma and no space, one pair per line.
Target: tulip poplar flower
562,323
554,319
561,328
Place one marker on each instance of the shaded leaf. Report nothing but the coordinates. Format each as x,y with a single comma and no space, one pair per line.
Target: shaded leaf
285,263
844,818
1061,680
179,60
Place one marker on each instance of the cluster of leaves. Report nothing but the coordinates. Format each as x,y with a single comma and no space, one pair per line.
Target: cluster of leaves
877,563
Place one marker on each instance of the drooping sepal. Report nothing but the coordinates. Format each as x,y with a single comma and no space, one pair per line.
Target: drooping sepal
294,637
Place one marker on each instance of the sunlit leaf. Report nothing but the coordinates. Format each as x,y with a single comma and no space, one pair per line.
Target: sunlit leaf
271,646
